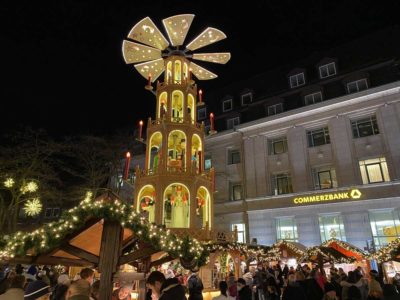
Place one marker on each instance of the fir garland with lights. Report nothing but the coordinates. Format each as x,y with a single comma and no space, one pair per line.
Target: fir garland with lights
388,252
51,235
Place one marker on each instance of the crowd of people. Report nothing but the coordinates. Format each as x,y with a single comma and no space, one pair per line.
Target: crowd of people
262,283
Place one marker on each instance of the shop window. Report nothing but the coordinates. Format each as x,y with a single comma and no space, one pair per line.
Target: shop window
331,227
297,80
318,137
327,70
241,231
313,98
274,109
356,86
365,127
230,123
236,192
281,184
374,170
385,226
227,105
277,146
286,229
233,157
247,99
324,178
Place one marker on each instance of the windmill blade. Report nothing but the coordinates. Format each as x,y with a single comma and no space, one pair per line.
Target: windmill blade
146,32
152,68
134,52
202,73
207,37
177,28
218,58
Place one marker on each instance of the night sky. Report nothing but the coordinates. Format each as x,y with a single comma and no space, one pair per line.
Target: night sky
62,66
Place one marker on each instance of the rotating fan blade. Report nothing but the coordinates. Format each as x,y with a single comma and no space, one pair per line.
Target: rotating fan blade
207,37
177,28
202,73
146,32
152,68
134,52
218,58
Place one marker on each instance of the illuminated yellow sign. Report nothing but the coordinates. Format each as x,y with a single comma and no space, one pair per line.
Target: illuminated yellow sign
346,195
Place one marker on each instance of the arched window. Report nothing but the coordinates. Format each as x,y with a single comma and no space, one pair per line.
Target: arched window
185,71
155,144
196,154
169,71
177,106
191,109
177,72
176,206
146,202
203,209
162,105
176,151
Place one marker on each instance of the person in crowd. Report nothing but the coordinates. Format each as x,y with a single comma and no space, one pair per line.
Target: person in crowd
195,286
37,290
95,291
6,282
223,288
375,289
330,292
285,271
88,275
272,293
351,281
60,290
313,289
389,292
248,277
123,293
300,279
16,290
244,290
155,282
342,274
259,282
169,272
79,290
396,281
232,286
31,273
293,291
354,293
335,281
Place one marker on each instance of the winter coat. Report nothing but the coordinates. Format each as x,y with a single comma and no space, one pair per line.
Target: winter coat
172,290
195,287
294,292
245,293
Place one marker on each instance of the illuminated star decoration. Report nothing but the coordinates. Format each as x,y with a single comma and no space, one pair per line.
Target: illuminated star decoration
30,187
9,182
33,207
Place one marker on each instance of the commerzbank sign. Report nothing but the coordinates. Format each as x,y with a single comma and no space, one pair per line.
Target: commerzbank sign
318,198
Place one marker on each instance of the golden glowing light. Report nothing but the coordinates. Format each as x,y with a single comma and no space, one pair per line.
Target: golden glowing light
33,207
9,182
30,187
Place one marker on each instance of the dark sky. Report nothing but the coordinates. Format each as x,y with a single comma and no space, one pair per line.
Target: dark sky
62,66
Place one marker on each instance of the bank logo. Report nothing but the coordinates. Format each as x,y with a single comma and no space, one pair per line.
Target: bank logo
355,194
352,194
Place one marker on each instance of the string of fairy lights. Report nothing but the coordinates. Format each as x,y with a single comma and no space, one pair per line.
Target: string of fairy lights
52,234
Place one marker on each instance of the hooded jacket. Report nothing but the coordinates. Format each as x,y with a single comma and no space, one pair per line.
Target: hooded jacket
171,289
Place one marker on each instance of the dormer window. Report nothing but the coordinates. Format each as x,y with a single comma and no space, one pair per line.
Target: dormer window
356,86
297,80
327,70
227,105
247,99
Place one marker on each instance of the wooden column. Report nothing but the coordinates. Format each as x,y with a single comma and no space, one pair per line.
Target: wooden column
110,251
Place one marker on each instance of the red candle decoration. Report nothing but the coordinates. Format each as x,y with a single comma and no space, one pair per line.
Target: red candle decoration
140,129
211,121
127,164
200,96
149,83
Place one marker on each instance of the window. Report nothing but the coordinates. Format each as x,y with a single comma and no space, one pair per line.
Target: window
324,178
327,70
356,86
227,105
286,229
236,191
207,162
52,212
48,213
365,127
297,80
331,227
374,170
202,113
277,146
233,157
241,231
281,184
318,137
274,109
230,123
385,226
56,212
313,98
247,98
